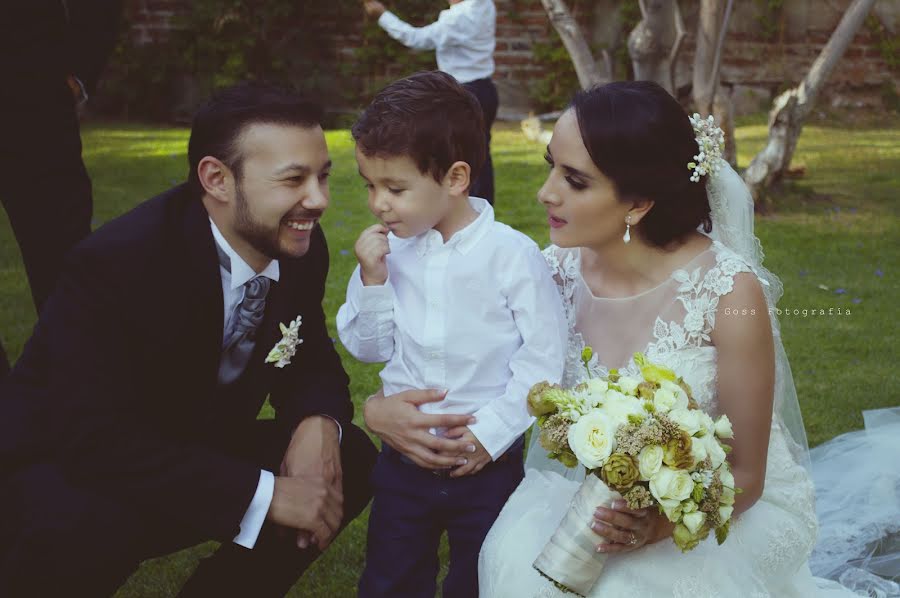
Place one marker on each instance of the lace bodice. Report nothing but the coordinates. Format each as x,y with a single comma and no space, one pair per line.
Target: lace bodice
671,323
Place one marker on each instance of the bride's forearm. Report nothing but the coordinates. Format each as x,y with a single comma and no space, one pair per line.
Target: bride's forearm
751,485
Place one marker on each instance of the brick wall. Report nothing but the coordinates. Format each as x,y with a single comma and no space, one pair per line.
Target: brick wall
756,67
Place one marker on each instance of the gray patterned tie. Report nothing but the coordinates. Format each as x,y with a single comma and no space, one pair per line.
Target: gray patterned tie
240,337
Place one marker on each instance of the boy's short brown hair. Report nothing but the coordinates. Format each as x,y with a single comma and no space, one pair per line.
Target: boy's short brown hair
429,117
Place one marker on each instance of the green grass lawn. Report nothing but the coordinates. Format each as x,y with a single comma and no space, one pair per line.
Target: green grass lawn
833,239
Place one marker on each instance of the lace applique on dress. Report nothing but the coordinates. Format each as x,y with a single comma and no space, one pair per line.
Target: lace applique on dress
698,293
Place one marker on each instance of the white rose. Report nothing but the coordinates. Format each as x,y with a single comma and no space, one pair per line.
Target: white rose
592,439
628,384
693,521
613,395
688,506
597,386
723,427
672,509
714,450
649,461
687,419
707,422
664,400
727,477
727,498
725,513
671,484
698,450
618,407
681,398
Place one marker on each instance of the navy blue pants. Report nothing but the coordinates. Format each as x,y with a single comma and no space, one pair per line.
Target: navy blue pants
412,507
485,92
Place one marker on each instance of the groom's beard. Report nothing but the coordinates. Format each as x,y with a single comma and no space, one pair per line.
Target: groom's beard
260,237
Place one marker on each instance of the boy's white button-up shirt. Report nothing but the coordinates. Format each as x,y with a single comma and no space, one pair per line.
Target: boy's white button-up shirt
479,315
463,38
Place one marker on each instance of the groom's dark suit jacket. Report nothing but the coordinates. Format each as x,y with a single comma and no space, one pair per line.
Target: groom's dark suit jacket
118,383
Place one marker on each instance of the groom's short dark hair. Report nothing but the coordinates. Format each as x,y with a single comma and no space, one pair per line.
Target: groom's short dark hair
218,124
428,117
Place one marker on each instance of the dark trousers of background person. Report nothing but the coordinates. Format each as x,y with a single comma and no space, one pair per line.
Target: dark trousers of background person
46,191
412,507
63,540
486,93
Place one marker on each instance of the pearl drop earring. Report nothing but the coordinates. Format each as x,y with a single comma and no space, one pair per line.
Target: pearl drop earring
627,237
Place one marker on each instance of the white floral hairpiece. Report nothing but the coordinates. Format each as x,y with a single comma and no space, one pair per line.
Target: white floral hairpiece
711,141
285,349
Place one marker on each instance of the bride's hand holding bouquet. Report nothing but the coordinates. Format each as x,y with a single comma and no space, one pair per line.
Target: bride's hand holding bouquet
643,441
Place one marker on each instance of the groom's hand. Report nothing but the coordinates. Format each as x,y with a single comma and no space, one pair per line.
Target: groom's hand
315,453
396,419
309,504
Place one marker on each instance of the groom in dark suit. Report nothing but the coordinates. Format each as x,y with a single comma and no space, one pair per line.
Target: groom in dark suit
128,427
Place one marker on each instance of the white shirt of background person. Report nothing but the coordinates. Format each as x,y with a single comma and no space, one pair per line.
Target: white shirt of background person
463,38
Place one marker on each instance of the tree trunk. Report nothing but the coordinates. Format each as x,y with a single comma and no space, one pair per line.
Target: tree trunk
656,41
709,97
723,112
704,80
790,109
587,69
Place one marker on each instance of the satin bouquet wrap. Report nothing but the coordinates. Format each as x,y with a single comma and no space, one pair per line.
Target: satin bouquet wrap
642,439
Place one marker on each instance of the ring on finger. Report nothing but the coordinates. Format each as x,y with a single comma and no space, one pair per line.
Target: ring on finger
632,540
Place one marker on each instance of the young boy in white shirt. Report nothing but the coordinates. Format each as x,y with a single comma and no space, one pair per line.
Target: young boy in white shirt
463,38
450,299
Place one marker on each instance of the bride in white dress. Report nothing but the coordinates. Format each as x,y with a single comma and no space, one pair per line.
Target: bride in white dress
648,260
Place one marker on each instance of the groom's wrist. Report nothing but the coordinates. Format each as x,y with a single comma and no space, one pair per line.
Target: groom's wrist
325,423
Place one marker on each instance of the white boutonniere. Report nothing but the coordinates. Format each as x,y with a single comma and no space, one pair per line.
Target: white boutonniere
284,349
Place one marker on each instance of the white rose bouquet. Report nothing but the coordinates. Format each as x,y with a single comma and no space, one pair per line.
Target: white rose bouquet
641,439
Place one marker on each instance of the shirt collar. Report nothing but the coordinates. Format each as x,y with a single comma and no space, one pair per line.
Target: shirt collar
463,240
241,272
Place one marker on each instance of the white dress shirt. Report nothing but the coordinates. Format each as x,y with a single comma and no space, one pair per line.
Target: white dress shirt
463,38
233,293
478,315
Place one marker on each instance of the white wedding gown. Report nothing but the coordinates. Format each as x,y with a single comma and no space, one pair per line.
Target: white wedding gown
767,551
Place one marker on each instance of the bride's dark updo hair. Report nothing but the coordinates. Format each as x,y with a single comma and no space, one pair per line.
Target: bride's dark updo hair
642,139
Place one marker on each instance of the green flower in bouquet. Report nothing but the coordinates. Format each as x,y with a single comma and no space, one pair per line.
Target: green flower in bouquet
566,457
638,497
652,372
620,472
677,453
545,398
555,434
687,390
646,391
586,354
684,539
